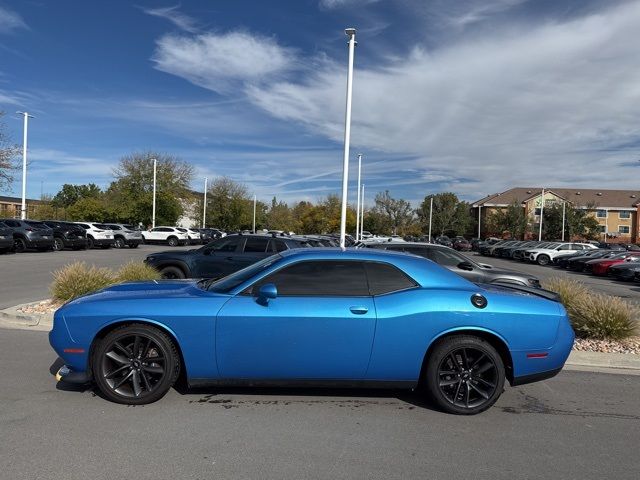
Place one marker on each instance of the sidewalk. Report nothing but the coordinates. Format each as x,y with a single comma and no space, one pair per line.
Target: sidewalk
582,361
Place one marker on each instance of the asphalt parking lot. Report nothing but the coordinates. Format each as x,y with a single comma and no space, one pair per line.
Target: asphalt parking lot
575,426
26,277
628,290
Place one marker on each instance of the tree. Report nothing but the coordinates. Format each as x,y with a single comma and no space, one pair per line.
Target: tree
70,194
397,211
130,196
8,152
511,220
279,216
450,215
88,209
578,223
229,206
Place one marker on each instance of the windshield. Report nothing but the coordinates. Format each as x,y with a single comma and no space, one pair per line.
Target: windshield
226,284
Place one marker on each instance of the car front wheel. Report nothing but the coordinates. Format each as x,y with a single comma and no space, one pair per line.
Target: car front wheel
119,243
543,260
172,273
135,365
58,244
465,375
173,242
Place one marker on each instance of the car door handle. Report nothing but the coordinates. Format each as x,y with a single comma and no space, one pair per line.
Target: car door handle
359,310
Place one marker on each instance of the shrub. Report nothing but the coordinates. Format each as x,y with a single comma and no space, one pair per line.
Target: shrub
77,279
133,271
595,315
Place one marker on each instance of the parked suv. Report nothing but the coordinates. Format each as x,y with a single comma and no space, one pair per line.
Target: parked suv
6,238
30,234
171,236
125,235
67,235
220,257
463,266
544,256
98,234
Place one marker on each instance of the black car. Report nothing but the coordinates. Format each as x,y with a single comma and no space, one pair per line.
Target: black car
30,234
562,260
626,271
463,266
509,252
6,238
612,246
444,240
578,263
67,235
220,257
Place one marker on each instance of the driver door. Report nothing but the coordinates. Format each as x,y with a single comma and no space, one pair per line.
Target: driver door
319,327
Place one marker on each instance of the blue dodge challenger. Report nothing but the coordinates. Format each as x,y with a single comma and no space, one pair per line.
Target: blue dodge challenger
316,317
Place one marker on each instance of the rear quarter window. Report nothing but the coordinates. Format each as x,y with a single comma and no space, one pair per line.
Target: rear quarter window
385,278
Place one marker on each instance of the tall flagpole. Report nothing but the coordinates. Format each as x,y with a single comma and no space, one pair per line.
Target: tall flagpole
153,212
358,203
362,211
23,208
564,205
204,207
254,213
541,216
430,216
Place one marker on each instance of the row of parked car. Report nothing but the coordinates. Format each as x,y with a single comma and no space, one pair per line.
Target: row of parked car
621,261
21,235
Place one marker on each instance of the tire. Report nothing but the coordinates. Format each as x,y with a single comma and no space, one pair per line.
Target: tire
19,245
133,377
173,241
58,244
172,272
134,245
543,260
90,243
144,240
119,243
465,375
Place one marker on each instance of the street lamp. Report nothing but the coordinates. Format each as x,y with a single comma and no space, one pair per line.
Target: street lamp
351,33
358,203
204,207
430,216
254,213
23,208
362,211
541,216
153,212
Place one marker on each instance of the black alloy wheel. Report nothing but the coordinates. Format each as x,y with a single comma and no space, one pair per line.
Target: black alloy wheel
119,242
135,365
465,375
19,245
58,244
172,273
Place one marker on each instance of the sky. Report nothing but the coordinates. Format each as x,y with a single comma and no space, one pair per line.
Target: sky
472,97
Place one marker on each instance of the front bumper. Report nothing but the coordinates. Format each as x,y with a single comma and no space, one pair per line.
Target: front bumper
103,241
40,242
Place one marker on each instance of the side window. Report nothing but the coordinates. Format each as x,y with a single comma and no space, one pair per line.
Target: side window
256,244
384,278
12,223
227,244
157,229
445,257
278,246
315,279
577,246
564,247
423,252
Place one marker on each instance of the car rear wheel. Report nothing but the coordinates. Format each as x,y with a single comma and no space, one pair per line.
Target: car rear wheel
58,244
135,365
172,273
19,245
465,375
173,241
543,260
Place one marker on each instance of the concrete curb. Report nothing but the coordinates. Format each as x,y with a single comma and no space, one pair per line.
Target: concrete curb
12,318
578,360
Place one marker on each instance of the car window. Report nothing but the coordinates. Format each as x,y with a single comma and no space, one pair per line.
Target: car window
228,283
565,247
227,244
445,257
256,244
384,278
279,246
320,278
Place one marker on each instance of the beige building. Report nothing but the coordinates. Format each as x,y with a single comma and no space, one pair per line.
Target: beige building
617,211
10,207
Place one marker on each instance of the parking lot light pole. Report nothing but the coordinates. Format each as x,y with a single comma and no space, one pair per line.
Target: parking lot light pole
153,211
479,219
351,33
362,211
358,203
23,208
541,216
204,207
430,216
254,213
564,205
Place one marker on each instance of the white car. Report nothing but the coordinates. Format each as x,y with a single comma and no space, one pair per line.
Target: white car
98,234
169,235
544,256
195,237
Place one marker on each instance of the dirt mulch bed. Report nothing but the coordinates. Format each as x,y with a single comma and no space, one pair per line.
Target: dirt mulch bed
40,308
630,345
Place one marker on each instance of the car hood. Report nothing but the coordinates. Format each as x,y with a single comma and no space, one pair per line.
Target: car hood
147,290
173,253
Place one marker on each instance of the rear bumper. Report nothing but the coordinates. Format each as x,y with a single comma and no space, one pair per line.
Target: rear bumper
103,241
132,241
68,375
75,242
535,377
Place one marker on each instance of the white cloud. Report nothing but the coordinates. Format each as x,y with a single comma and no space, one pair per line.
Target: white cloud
538,106
330,4
219,61
172,14
10,21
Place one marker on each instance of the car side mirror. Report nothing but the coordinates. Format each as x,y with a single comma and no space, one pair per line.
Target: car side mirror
266,292
465,266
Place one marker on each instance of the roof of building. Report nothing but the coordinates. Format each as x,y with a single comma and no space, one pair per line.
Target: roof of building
16,200
578,196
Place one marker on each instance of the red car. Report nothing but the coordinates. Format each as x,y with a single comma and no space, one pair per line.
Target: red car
601,266
462,245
